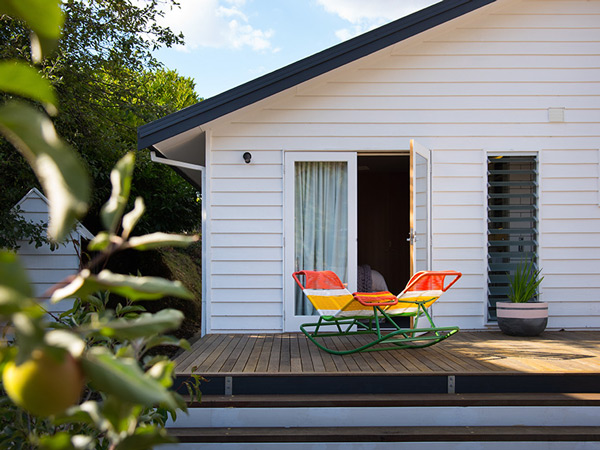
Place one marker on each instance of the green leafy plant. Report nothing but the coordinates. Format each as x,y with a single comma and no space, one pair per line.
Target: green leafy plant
128,395
523,284
106,82
16,228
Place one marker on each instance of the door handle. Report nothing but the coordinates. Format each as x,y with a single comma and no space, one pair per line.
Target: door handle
412,237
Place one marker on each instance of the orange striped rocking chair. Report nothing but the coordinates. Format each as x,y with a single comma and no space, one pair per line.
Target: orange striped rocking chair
362,313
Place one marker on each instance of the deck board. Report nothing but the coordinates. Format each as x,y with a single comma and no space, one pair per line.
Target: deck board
254,358
220,349
267,359
232,358
243,356
220,359
487,352
295,359
186,359
306,360
285,358
204,351
316,356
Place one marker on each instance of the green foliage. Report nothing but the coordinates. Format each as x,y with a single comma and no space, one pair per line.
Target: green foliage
127,392
123,378
523,285
107,83
128,398
23,80
174,263
126,385
134,288
60,172
172,204
112,211
17,179
16,228
45,19
15,289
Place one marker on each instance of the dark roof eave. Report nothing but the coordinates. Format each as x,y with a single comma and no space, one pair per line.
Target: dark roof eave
303,70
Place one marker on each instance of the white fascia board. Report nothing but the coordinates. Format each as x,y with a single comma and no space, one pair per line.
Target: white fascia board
171,162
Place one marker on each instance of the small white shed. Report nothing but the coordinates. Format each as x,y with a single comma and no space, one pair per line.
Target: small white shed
470,128
44,266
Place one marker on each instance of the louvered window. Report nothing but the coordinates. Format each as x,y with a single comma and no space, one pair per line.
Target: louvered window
512,221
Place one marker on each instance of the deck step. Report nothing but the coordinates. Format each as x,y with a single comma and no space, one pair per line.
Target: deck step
297,422
395,400
408,411
392,384
387,434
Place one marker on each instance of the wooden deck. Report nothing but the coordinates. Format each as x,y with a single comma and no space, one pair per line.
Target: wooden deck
466,362
478,352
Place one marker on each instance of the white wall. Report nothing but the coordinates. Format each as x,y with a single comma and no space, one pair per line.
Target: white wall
45,267
482,83
570,241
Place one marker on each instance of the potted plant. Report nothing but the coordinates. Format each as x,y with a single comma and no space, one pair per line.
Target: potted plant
524,315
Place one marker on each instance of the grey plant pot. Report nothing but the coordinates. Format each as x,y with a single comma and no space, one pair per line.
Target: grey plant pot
522,319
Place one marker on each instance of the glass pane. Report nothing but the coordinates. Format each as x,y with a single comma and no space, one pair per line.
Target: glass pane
421,222
512,221
320,221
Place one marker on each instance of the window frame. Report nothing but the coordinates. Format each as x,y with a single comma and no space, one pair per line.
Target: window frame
536,156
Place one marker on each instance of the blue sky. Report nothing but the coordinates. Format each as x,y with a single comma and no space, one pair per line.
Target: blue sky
229,42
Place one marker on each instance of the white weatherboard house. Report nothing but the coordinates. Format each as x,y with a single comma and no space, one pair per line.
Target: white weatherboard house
46,267
470,128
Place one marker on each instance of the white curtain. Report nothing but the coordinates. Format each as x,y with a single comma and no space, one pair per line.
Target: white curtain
321,221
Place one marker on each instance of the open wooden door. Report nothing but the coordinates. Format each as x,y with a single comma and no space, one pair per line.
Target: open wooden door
420,208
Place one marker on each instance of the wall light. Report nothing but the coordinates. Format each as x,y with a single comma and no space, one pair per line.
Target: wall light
247,157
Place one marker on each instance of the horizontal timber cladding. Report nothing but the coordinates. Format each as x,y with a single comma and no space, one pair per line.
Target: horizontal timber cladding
570,239
480,84
50,262
46,266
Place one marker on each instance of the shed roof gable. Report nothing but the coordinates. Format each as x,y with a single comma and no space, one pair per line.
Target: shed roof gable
35,193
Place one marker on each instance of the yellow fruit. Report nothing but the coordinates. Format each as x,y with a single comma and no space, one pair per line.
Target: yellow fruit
43,385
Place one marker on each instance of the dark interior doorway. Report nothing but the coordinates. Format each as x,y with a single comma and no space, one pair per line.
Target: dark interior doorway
383,217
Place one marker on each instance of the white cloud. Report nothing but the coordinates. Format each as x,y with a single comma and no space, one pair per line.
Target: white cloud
217,24
343,34
366,15
241,35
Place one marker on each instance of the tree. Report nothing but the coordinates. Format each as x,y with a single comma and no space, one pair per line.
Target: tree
129,394
108,83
